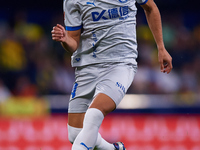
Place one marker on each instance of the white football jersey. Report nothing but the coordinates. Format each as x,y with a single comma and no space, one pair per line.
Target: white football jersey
108,30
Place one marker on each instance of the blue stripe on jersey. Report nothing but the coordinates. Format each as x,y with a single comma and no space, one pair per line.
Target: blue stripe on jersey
73,28
143,2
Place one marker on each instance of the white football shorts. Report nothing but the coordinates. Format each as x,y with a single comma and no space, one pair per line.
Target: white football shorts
112,79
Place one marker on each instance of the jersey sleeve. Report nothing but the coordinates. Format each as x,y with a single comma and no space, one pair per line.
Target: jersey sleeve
72,17
141,2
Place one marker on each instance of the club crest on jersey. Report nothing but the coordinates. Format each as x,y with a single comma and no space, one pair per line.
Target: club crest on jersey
123,1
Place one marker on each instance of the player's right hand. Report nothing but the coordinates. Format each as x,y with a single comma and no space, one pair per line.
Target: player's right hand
59,33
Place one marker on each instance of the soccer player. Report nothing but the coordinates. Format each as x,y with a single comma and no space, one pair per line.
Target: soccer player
101,34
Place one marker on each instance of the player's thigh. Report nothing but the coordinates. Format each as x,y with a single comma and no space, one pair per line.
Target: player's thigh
104,103
76,119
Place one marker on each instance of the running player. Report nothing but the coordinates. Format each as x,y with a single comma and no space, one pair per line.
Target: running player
101,34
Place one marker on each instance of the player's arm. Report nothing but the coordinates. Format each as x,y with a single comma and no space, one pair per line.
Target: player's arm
154,21
69,39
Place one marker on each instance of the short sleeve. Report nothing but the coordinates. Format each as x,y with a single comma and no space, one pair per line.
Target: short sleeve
141,2
72,17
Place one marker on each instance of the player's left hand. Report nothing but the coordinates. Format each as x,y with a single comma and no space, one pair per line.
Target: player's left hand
165,61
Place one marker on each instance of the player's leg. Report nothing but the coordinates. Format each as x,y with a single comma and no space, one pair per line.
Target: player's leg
87,138
109,92
75,124
76,119
104,103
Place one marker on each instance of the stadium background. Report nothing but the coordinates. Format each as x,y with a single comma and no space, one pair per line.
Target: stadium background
160,112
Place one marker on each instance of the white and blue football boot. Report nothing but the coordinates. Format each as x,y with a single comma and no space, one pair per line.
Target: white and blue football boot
119,146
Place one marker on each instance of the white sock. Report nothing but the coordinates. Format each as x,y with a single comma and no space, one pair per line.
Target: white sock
102,144
87,138
72,133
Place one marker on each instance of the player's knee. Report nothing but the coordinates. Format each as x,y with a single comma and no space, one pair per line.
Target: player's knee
72,133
